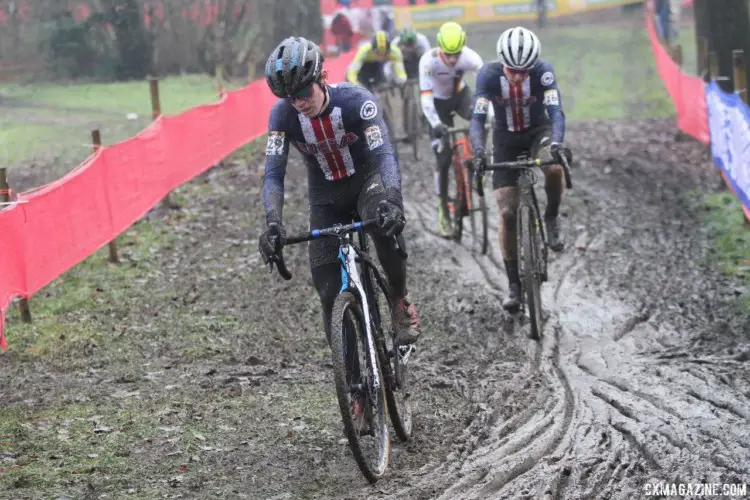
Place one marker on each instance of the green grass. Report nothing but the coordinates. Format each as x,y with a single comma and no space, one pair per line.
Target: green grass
604,71
65,312
176,95
729,232
50,125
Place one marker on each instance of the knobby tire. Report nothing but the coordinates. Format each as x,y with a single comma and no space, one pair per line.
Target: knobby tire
530,236
348,313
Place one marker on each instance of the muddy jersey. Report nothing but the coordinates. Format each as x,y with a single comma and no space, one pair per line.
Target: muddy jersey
349,136
518,107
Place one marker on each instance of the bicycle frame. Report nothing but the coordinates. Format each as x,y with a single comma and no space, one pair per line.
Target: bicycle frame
351,281
462,155
527,196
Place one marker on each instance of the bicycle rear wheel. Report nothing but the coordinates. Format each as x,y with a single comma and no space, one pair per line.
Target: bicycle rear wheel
354,377
394,363
479,232
529,242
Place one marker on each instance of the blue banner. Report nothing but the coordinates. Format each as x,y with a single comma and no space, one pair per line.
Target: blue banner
729,122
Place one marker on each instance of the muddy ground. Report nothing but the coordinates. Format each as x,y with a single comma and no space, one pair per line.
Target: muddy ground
209,378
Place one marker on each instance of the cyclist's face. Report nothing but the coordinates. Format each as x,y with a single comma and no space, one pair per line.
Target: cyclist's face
381,57
451,59
515,76
309,101
409,48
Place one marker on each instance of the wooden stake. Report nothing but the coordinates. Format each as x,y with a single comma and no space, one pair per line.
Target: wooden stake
703,59
23,303
677,54
156,113
713,65
96,141
740,74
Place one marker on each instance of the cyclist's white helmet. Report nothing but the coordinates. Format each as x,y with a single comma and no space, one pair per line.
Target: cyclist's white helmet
518,48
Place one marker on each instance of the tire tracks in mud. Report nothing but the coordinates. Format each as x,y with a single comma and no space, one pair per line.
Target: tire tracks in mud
490,452
612,412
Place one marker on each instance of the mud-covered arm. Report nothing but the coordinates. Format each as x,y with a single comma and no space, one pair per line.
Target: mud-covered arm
553,103
378,148
277,153
425,90
482,104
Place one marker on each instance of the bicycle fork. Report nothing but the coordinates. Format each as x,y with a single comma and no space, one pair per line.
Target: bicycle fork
350,280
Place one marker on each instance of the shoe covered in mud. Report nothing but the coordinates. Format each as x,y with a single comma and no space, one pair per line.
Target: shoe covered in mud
406,321
445,227
359,417
513,301
553,233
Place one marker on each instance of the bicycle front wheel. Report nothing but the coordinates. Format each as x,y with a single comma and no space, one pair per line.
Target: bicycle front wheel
460,203
529,247
362,405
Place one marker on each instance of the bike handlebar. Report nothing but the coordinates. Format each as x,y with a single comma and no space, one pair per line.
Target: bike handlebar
534,162
334,231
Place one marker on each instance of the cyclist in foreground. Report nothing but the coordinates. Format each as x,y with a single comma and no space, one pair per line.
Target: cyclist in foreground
350,169
528,119
444,92
370,60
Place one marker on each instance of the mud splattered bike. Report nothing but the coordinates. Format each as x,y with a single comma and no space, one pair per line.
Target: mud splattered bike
465,201
370,372
533,248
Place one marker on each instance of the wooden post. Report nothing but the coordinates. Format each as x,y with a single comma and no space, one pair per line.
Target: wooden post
23,304
156,113
96,141
713,65
703,59
740,74
677,54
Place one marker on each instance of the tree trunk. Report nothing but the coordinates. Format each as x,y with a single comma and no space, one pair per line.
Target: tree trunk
727,24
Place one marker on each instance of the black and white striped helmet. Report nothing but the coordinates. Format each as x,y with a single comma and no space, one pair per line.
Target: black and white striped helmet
518,48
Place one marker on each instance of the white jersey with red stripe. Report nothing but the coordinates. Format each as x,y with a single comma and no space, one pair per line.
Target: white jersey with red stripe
349,136
438,80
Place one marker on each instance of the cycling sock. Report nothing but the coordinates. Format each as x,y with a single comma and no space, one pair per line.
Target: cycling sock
511,269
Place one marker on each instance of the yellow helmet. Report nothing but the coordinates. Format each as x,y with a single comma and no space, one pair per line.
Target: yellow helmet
381,43
451,38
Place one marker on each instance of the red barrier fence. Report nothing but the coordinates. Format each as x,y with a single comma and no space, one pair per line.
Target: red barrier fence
687,92
59,225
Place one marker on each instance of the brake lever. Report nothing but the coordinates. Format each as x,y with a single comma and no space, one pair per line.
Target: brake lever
566,169
479,181
280,265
